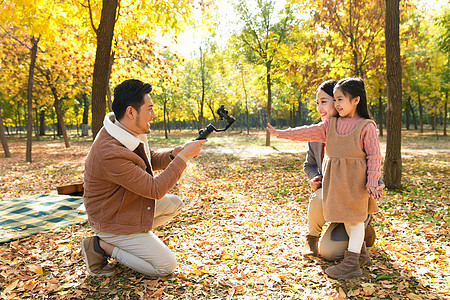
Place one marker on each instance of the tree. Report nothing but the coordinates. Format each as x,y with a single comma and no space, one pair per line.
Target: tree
100,77
133,19
2,135
393,161
353,29
444,46
28,32
261,37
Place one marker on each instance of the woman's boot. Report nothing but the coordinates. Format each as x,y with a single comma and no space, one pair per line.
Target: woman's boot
311,246
364,258
348,268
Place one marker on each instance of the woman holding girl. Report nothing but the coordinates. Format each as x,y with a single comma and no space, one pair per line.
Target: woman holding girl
351,169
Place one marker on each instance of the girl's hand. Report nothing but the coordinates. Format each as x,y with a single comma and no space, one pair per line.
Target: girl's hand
272,130
315,183
375,193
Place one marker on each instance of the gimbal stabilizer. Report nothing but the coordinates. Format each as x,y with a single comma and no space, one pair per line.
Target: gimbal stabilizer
223,114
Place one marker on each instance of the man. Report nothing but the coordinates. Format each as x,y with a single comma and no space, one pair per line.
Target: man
124,200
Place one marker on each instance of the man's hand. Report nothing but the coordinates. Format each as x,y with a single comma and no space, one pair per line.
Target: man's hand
176,150
315,183
192,148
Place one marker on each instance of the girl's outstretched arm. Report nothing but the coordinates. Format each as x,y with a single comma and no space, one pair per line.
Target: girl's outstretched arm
315,133
272,130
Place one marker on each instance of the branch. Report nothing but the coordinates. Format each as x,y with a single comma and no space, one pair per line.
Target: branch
90,16
118,11
16,39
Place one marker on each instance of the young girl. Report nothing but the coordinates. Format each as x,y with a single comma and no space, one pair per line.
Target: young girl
351,169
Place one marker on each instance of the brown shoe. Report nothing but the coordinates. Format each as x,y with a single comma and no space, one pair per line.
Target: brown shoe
348,268
364,258
96,263
370,235
311,246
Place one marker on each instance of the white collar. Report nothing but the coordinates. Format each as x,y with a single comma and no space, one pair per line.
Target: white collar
124,137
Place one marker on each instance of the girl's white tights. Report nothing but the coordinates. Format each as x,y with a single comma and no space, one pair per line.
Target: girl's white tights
355,233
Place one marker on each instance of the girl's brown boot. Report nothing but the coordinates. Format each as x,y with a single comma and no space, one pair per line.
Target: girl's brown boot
364,258
348,268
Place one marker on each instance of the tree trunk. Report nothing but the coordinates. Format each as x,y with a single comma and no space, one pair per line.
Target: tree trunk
168,120
420,111
300,122
2,135
393,161
412,112
59,115
269,101
84,124
445,113
407,115
100,79
36,124
34,42
165,123
108,90
380,114
246,99
42,123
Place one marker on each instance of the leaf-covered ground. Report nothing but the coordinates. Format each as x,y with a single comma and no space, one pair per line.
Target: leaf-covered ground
242,229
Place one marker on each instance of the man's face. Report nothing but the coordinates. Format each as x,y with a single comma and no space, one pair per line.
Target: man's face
144,116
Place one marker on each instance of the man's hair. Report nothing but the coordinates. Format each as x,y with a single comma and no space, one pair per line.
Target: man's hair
129,93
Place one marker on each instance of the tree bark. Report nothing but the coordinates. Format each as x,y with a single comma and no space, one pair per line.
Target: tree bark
2,136
165,123
100,78
300,122
246,100
269,101
393,161
412,112
108,90
42,123
420,111
59,115
407,115
445,113
380,114
34,43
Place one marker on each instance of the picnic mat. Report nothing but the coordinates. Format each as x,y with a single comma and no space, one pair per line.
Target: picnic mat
39,213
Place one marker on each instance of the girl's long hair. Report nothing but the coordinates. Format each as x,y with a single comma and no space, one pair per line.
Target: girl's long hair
354,87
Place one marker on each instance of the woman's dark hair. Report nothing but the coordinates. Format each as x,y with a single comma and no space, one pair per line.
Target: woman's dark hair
129,93
327,86
354,87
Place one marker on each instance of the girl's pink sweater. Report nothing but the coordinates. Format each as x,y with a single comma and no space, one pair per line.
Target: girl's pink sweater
369,141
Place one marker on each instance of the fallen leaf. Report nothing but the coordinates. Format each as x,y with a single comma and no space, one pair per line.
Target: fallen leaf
413,296
238,288
36,269
11,286
369,290
342,293
158,292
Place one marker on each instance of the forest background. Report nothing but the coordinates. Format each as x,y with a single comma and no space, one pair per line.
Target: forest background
265,68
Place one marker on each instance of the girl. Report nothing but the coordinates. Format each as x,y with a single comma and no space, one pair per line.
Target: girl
351,169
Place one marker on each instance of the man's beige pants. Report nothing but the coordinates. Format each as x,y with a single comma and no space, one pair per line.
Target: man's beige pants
144,252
